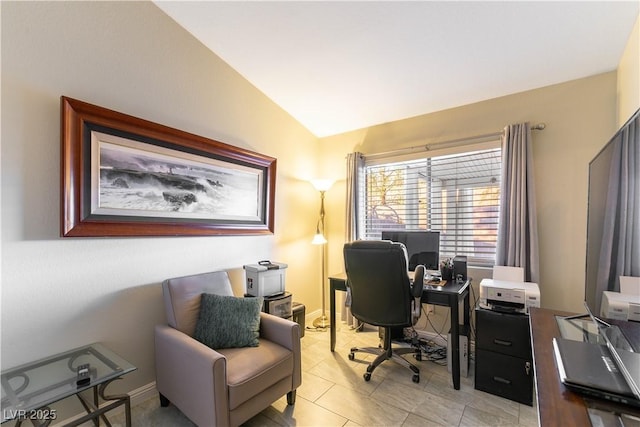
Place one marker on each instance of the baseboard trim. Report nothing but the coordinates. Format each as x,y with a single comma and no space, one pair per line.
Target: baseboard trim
310,317
143,393
137,396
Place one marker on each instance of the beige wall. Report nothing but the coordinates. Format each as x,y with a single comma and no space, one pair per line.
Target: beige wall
127,56
580,116
629,77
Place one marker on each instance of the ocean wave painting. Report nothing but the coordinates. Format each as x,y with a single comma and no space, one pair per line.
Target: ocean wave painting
123,176
136,182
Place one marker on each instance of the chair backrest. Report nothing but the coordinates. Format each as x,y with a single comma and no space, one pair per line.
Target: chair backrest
378,279
182,297
511,274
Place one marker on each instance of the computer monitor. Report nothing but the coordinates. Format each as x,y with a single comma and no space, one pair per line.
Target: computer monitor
423,247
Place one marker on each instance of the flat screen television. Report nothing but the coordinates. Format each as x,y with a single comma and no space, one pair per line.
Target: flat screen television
597,208
423,247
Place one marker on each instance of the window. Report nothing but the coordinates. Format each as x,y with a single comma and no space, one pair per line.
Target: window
456,194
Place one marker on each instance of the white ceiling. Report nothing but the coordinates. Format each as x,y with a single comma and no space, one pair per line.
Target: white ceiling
337,66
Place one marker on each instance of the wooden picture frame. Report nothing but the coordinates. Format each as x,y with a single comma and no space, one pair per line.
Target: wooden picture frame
125,176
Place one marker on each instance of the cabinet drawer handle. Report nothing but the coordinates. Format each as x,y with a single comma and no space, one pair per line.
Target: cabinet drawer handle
501,342
501,380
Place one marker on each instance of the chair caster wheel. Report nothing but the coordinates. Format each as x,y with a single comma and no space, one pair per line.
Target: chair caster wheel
352,356
415,378
367,376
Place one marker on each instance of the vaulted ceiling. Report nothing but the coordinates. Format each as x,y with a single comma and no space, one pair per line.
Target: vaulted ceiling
337,66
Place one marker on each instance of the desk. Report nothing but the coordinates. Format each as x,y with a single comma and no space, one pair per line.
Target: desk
27,390
557,405
449,296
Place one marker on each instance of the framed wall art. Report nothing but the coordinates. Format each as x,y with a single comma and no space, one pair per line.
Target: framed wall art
125,176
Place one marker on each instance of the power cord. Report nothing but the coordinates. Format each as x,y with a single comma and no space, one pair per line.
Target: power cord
428,349
433,352
315,329
438,332
358,328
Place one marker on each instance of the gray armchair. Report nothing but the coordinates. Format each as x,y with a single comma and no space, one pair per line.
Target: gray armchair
383,295
223,387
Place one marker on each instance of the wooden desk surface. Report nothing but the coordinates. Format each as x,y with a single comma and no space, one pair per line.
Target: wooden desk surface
557,405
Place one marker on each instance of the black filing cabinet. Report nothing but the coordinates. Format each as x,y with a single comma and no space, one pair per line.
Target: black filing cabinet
278,305
504,365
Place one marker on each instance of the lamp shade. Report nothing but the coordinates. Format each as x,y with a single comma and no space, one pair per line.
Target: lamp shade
322,184
319,239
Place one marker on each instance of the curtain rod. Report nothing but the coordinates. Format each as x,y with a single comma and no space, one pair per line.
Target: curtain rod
452,142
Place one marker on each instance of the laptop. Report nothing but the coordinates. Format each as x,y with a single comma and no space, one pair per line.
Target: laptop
599,370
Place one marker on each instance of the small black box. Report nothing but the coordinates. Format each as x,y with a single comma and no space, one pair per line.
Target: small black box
298,311
460,267
278,305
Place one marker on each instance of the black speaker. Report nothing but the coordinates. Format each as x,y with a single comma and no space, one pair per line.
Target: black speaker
460,267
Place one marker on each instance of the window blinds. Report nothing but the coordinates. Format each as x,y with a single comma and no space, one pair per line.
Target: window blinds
456,194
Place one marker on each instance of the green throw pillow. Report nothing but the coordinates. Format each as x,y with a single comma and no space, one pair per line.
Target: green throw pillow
228,321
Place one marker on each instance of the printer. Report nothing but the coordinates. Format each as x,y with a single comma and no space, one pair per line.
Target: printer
507,296
623,305
619,306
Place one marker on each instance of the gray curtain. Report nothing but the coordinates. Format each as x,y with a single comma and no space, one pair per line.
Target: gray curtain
355,174
620,249
355,171
517,244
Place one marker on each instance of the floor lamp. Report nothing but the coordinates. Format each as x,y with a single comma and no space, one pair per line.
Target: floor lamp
322,185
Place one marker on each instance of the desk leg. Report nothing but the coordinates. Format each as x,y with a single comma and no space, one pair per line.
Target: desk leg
467,311
110,402
467,325
455,345
332,314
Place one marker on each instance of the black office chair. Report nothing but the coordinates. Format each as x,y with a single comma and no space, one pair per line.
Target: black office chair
383,295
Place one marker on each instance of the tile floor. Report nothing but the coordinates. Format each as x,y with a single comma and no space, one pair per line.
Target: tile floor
334,393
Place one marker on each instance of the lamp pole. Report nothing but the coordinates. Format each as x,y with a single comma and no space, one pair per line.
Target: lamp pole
322,186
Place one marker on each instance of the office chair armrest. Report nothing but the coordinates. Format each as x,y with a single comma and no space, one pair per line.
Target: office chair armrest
418,281
416,291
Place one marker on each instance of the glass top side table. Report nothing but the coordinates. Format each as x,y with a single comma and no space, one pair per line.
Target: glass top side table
27,390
